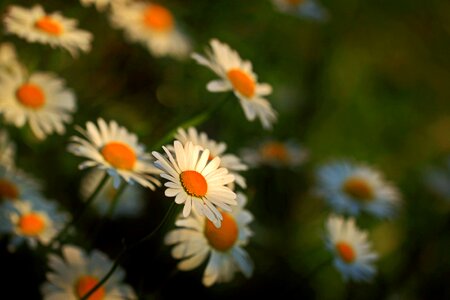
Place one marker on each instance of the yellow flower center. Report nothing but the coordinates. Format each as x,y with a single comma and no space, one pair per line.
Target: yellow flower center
85,284
242,82
223,238
31,224
194,183
158,18
119,155
8,190
275,150
49,25
346,252
31,95
358,188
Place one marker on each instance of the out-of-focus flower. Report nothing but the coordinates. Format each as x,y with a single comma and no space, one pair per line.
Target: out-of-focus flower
130,202
349,188
31,221
112,148
35,25
310,9
228,161
197,237
352,252
275,153
99,4
41,100
196,181
152,25
75,273
237,76
7,152
8,60
15,185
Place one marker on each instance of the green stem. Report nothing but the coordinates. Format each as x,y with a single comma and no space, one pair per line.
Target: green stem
80,212
125,250
115,200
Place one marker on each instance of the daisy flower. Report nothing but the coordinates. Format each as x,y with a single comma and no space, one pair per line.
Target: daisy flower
7,152
195,181
75,273
30,221
15,184
236,75
275,153
35,25
130,202
352,252
152,25
350,188
228,161
99,4
41,100
197,237
302,8
112,148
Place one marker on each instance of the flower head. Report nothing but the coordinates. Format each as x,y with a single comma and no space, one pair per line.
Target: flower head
112,148
196,238
75,273
16,184
237,75
352,252
195,181
35,25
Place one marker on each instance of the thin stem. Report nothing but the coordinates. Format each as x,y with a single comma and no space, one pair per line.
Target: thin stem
115,200
80,212
125,250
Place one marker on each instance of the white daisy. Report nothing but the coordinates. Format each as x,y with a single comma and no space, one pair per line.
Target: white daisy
302,8
352,252
75,273
275,153
152,25
35,25
112,148
195,181
237,76
15,185
7,151
350,188
228,161
99,4
41,100
31,221
197,237
130,202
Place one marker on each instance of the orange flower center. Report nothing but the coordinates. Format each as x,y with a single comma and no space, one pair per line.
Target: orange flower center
85,284
49,25
158,18
358,188
194,183
346,252
223,238
119,155
30,95
242,82
275,150
31,224
8,190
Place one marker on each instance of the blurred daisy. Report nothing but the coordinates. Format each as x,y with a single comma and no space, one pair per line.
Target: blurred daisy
41,99
152,25
228,161
75,273
99,4
352,252
237,76
302,8
276,154
8,60
15,184
7,152
35,25
112,148
350,189
31,221
197,237
195,181
130,202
